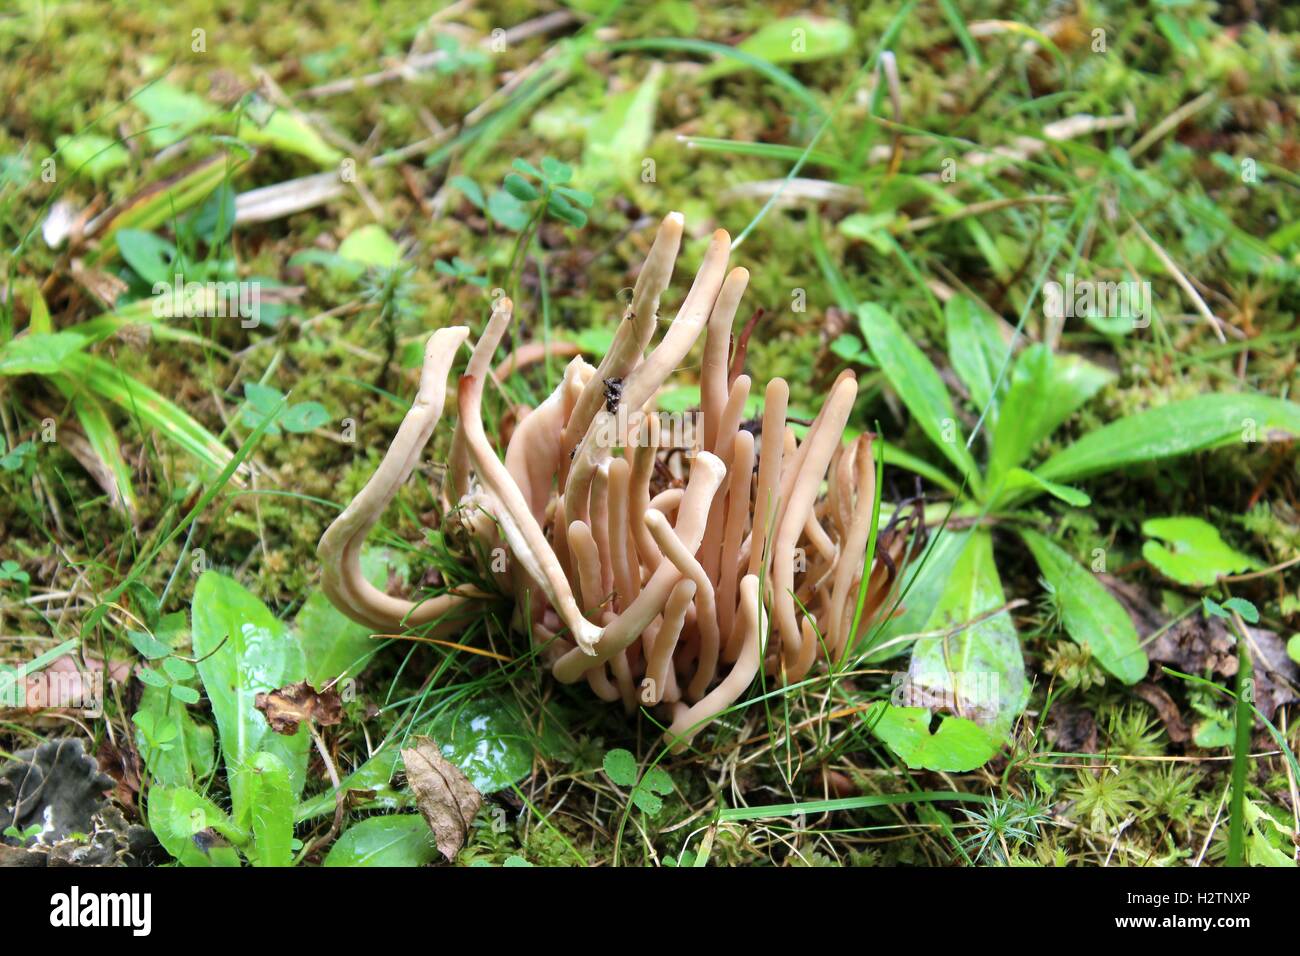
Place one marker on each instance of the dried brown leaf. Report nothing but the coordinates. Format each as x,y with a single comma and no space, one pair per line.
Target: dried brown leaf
291,705
1072,730
444,795
1164,705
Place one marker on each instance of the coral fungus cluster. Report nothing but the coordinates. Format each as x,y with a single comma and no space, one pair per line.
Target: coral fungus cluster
652,554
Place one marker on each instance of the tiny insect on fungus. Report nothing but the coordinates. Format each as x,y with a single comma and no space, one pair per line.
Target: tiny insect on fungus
654,577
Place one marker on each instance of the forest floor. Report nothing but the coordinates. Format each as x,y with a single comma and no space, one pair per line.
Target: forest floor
1154,143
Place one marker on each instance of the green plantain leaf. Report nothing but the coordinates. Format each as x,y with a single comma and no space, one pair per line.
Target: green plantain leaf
1207,421
918,384
90,154
972,671
984,656
1045,390
244,650
976,351
192,828
334,645
924,580
371,245
1020,485
395,840
272,812
1091,614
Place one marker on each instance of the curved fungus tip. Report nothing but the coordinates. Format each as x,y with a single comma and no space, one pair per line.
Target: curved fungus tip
635,551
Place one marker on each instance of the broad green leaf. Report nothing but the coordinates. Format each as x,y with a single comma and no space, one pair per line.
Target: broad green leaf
333,644
507,210
186,695
172,112
561,208
556,172
273,803
29,291
957,746
472,191
1271,843
395,840
214,220
1092,616
260,403
178,668
372,246
92,155
872,228
578,196
150,647
1293,648
976,351
647,802
151,677
1196,424
13,459
1248,612
923,582
647,796
152,257
849,347
192,828
40,354
1193,553
797,39
977,670
1020,485
304,417
488,739
519,187
618,140
1214,732
597,341
344,270
976,666
244,650
1045,390
528,169
620,766
917,383
679,398
189,756
287,133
